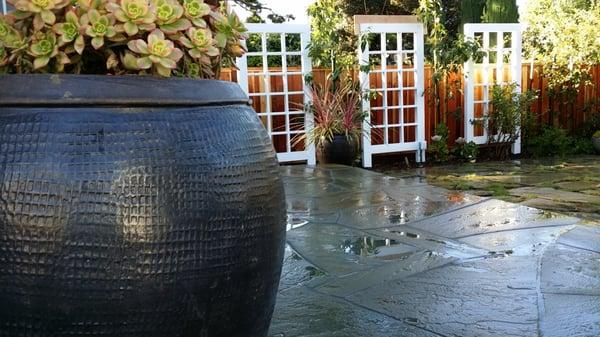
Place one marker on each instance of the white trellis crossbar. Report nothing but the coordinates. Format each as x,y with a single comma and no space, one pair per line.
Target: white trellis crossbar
499,65
279,91
392,60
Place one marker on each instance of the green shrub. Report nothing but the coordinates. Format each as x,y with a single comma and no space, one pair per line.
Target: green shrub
465,151
553,141
582,146
438,147
597,134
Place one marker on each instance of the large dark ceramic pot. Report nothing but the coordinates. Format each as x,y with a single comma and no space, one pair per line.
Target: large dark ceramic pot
134,206
340,150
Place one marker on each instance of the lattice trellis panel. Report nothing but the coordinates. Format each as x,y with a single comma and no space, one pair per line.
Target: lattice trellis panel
395,58
272,74
4,7
500,65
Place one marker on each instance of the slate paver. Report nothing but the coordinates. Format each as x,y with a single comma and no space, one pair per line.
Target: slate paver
570,316
303,312
490,297
491,216
376,256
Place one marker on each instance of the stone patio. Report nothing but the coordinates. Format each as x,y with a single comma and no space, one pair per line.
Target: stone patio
565,185
371,255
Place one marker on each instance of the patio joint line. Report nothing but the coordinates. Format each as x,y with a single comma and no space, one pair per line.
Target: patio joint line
451,262
570,294
366,232
341,298
579,248
307,259
408,224
512,230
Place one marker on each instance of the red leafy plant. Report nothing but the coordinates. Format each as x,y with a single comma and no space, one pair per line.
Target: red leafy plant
337,110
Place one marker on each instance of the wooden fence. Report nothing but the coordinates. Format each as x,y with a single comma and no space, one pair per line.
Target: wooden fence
549,111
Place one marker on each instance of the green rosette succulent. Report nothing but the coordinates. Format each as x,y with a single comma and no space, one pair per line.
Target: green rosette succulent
230,30
71,30
87,5
9,36
169,16
158,53
195,11
44,47
191,38
99,27
41,9
200,44
135,15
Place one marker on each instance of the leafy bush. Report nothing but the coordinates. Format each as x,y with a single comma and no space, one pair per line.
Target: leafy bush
553,141
158,37
509,108
465,151
597,134
438,147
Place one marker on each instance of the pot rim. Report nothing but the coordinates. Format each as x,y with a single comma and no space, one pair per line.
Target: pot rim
104,90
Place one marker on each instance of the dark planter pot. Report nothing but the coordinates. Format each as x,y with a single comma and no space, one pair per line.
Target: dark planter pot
134,206
340,150
596,142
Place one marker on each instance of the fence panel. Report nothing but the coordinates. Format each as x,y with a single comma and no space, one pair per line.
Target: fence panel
396,117
280,93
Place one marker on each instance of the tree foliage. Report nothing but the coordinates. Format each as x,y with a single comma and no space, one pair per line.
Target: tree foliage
562,35
254,44
334,42
567,55
501,11
471,11
446,54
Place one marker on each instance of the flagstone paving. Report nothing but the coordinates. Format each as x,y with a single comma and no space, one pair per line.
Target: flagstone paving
372,255
566,185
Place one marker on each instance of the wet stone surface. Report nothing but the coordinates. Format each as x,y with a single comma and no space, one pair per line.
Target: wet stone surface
370,255
569,185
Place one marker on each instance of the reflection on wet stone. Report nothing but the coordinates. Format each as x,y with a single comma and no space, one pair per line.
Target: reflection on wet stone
376,256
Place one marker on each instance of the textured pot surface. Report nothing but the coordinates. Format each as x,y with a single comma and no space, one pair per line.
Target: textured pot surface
134,206
339,151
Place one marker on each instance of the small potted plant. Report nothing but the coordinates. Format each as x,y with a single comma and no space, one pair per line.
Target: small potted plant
133,204
338,120
596,141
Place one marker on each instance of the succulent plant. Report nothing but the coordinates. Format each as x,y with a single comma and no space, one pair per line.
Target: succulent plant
200,43
169,16
195,11
70,31
159,37
99,27
9,36
43,48
42,10
159,53
135,15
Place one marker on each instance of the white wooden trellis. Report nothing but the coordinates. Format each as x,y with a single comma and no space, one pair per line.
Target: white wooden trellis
4,6
500,65
290,123
396,117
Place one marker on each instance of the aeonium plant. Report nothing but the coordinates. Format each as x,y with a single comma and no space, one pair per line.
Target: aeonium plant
188,38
